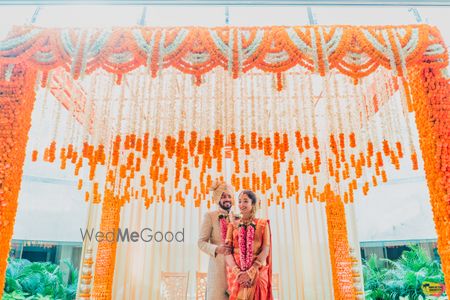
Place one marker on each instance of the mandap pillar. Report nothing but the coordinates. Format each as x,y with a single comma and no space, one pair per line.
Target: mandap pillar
17,96
105,260
431,94
341,260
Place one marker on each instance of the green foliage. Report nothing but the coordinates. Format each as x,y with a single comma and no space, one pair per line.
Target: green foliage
39,280
387,279
16,295
70,289
19,295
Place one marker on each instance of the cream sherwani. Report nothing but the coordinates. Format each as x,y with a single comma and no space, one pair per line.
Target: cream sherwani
209,239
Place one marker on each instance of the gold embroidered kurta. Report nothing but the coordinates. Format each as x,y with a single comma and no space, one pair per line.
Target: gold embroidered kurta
209,239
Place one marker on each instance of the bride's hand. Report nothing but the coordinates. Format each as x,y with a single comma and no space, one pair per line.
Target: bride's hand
252,272
247,284
243,278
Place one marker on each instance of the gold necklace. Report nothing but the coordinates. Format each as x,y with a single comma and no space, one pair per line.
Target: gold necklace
247,221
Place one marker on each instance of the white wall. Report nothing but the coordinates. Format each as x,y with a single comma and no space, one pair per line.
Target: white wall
49,211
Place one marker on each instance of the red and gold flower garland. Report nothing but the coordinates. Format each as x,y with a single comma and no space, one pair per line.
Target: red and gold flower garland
223,227
246,239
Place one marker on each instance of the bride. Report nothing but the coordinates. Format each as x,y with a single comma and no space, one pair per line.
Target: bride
250,258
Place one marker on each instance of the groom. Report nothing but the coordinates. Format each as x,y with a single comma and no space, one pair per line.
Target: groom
212,240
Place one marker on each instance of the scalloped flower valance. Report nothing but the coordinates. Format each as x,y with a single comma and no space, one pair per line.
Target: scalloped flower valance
354,51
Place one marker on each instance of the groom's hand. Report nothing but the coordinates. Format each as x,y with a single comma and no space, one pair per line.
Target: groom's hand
223,249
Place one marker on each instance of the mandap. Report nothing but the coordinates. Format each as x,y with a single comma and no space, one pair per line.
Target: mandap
311,118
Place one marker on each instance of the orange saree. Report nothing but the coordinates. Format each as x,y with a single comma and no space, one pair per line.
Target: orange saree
261,288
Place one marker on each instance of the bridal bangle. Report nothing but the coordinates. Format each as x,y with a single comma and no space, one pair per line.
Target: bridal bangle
257,263
236,270
252,272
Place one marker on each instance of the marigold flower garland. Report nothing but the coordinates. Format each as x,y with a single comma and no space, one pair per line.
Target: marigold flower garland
197,51
341,261
106,250
430,92
16,105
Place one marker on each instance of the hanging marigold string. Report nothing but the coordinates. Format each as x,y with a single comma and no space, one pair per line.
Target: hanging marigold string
273,158
142,165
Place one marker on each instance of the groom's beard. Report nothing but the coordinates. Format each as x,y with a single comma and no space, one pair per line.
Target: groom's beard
224,207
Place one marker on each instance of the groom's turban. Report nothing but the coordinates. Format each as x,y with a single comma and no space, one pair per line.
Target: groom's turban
218,188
